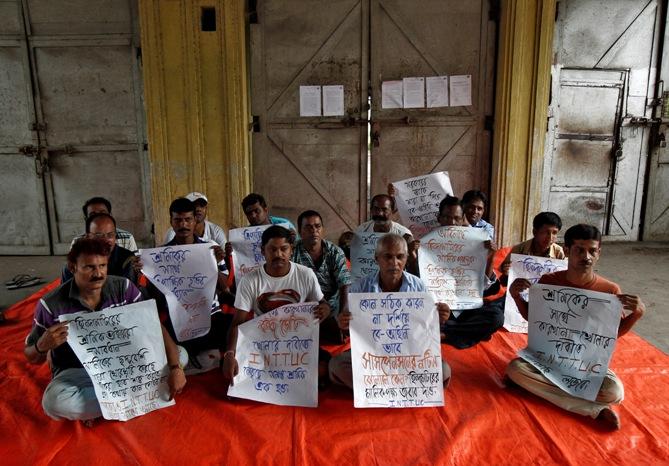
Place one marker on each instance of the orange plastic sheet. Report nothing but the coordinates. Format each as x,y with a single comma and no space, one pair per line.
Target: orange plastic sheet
482,423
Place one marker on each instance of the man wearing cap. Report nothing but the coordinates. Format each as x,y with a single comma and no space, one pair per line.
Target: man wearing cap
204,229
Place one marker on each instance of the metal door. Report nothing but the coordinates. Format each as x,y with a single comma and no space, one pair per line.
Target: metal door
604,74
88,127
433,38
23,208
656,218
304,163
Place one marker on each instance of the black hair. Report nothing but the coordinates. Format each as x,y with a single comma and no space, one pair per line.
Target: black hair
98,216
383,196
85,245
582,231
96,200
181,205
307,214
253,198
547,218
345,243
276,231
449,201
474,194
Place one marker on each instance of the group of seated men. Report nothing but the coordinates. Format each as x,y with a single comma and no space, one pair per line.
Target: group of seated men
302,266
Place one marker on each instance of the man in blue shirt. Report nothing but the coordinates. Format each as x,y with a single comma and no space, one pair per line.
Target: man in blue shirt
257,213
391,256
474,203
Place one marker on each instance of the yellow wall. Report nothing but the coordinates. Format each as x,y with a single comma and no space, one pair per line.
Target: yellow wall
521,106
196,99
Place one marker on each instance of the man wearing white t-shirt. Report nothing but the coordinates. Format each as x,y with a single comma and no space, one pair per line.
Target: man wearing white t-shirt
278,282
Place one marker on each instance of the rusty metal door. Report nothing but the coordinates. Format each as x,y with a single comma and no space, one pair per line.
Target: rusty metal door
656,218
433,38
316,163
601,104
23,208
88,131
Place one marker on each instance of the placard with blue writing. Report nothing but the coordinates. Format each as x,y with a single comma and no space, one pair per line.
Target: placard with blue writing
452,263
395,350
277,354
418,201
363,246
571,336
122,350
531,268
187,276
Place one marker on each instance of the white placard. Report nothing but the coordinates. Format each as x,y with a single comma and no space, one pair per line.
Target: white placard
363,247
333,100
187,276
247,248
418,201
310,101
461,90
571,337
437,91
531,268
277,355
122,350
413,92
391,94
452,263
395,350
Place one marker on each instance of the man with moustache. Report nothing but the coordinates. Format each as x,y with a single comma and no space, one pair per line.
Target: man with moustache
328,263
204,229
70,394
100,205
121,261
391,256
381,209
182,220
278,282
583,248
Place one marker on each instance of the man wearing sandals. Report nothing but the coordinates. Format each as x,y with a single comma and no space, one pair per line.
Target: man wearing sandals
70,394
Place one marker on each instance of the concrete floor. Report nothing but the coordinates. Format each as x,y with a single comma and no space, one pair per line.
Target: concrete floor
639,268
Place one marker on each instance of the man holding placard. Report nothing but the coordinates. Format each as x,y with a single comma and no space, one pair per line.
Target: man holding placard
381,209
582,246
469,322
203,346
278,282
391,256
70,395
545,228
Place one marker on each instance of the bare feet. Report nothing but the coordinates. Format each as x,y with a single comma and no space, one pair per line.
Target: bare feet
610,418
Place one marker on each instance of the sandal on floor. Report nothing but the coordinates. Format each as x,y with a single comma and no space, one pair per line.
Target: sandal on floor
17,278
24,282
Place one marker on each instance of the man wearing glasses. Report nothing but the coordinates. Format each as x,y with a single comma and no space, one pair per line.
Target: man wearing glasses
121,260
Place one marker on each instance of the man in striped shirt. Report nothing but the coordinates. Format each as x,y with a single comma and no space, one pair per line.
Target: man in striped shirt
70,394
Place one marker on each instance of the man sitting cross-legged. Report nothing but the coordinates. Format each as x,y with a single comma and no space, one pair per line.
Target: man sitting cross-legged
391,256
582,245
70,394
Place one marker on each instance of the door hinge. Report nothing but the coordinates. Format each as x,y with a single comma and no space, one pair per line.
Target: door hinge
494,11
254,126
489,123
38,127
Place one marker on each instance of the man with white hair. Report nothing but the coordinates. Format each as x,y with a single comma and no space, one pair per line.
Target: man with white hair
391,256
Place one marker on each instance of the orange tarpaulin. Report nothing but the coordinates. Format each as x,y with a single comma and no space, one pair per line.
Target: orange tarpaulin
482,423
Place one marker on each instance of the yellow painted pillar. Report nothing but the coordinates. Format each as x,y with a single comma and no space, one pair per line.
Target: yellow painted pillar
196,99
521,109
